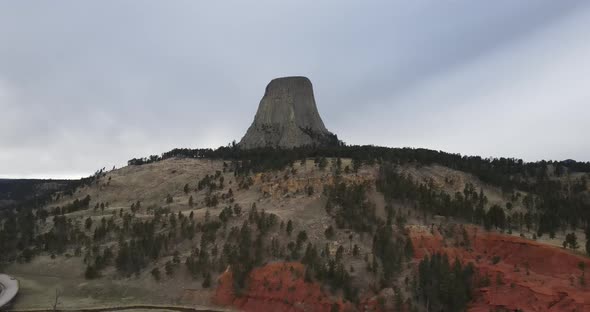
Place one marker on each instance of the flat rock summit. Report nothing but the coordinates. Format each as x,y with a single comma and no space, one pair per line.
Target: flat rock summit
287,117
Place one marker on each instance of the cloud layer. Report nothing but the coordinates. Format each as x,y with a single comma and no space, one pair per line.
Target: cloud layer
85,85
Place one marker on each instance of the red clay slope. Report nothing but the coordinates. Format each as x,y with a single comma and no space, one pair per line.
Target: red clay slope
551,284
529,276
275,287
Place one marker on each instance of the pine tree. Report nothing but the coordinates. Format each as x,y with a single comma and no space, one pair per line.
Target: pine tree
335,307
156,274
88,223
169,267
322,163
355,250
91,272
301,237
206,280
572,241
329,232
356,164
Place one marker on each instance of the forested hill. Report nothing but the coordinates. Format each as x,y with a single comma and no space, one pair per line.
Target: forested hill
14,191
558,189
356,217
503,171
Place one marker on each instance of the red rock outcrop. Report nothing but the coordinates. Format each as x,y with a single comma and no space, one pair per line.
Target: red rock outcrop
528,275
274,287
524,275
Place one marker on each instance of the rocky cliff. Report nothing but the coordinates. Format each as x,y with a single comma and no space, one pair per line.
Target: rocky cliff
287,117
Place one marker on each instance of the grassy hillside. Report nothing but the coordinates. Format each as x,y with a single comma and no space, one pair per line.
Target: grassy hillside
165,228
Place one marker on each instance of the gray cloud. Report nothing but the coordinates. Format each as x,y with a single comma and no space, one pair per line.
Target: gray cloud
90,84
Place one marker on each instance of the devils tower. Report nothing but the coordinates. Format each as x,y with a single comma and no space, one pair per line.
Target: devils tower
287,117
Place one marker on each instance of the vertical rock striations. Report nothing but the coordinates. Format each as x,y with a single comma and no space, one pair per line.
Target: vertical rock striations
287,117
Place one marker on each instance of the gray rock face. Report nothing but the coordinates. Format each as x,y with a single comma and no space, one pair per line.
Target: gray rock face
287,117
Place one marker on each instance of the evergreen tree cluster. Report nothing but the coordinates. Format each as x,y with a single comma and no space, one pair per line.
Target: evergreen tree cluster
144,246
392,250
97,261
468,205
211,183
74,206
329,269
62,234
549,208
443,286
349,206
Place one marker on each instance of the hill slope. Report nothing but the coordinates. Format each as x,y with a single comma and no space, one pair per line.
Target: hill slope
163,232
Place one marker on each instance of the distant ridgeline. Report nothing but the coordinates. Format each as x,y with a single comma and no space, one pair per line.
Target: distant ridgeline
16,193
503,172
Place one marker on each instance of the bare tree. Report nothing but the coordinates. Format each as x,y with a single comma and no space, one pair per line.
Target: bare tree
56,302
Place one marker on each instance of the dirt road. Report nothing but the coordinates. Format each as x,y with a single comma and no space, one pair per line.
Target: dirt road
8,289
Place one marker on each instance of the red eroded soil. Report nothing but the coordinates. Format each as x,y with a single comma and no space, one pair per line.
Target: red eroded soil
551,284
275,287
529,276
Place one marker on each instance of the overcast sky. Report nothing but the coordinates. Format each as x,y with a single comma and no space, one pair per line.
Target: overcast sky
84,85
